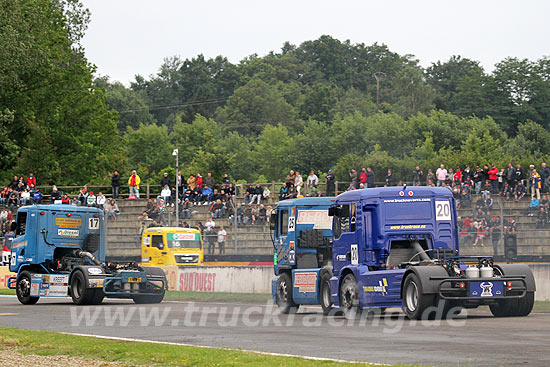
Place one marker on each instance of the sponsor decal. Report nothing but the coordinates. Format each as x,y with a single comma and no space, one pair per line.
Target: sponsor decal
487,289
409,226
319,218
19,244
95,271
380,288
96,283
68,232
305,282
68,222
49,285
405,200
341,257
291,256
200,282
182,236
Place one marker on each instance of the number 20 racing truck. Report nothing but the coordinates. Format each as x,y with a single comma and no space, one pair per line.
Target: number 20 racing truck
388,247
59,251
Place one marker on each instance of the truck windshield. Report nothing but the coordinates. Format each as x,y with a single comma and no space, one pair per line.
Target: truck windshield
408,209
183,240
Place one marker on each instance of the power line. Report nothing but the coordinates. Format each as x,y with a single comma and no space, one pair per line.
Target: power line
195,103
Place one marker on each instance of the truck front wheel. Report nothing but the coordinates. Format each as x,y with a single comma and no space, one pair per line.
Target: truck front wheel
414,302
23,289
349,297
324,290
284,294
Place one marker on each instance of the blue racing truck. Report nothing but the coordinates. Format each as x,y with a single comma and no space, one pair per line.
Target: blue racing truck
59,251
387,247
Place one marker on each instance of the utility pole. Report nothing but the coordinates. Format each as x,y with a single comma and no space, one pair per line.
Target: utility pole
176,154
379,75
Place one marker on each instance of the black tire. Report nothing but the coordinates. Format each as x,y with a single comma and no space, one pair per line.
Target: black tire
414,302
23,289
525,304
504,307
157,298
284,294
97,296
324,293
80,293
349,297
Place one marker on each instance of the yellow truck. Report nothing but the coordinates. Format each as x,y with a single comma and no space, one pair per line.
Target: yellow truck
171,246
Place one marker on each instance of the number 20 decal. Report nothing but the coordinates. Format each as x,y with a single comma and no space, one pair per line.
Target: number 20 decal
442,210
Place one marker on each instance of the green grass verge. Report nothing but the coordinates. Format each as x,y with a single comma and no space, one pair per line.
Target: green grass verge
150,354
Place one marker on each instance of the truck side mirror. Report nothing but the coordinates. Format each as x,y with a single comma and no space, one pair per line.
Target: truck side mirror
273,221
334,211
13,226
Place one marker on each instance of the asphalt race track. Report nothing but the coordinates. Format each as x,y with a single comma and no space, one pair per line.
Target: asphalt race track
476,340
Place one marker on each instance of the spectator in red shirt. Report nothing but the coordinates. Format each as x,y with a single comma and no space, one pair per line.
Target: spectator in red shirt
493,178
198,180
457,179
363,177
31,182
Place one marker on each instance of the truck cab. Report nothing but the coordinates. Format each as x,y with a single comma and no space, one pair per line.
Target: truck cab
59,251
302,254
171,246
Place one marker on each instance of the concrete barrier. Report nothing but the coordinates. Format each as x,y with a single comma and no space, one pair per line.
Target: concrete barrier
541,272
234,279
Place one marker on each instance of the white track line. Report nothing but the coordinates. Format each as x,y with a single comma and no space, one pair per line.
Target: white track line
232,349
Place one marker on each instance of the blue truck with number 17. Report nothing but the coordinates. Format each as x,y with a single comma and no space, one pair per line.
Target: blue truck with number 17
387,247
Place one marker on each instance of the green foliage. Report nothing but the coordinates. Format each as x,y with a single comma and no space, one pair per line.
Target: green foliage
149,150
58,124
273,152
256,103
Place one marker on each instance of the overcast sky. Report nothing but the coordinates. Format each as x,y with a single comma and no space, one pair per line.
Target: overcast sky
129,37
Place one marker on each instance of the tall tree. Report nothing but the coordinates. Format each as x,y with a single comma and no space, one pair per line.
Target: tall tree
60,122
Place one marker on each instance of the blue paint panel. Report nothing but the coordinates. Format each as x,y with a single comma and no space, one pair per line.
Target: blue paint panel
380,288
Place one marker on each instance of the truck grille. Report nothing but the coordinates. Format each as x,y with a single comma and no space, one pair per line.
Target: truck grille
186,258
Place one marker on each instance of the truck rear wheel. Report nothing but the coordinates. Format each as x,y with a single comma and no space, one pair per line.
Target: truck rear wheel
324,290
525,304
80,293
284,294
23,289
349,297
514,307
414,302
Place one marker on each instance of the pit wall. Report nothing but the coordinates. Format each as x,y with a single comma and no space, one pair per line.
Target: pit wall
249,279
